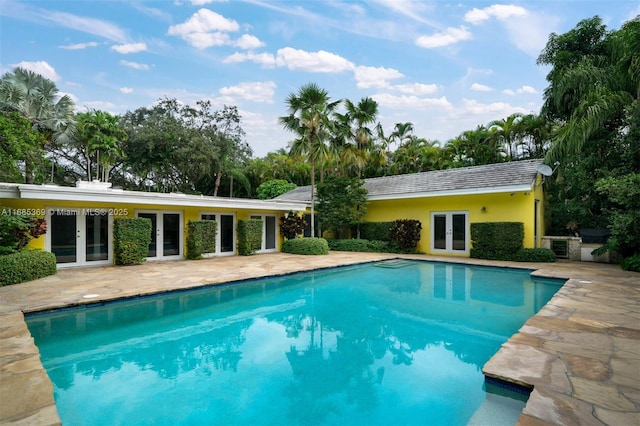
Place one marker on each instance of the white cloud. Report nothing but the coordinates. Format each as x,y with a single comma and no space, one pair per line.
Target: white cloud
129,48
320,61
248,42
126,90
202,2
205,28
79,46
417,88
267,60
481,87
368,77
527,89
449,36
502,12
411,102
494,109
40,67
255,91
508,92
135,65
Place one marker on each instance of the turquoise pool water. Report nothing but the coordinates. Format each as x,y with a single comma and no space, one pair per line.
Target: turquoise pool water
395,342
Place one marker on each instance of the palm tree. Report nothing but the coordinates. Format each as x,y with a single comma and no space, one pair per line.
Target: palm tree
36,98
595,91
309,116
507,131
102,137
360,116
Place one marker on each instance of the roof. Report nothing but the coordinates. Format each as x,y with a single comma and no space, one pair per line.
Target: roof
104,194
491,178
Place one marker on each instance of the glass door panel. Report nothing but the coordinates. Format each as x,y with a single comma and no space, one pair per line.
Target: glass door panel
459,226
171,234
64,237
97,237
270,232
440,232
226,233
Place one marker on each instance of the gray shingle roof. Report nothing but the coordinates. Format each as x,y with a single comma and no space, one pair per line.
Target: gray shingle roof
500,177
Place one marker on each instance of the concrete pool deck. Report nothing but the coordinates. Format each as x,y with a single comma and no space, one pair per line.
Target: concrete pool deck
580,353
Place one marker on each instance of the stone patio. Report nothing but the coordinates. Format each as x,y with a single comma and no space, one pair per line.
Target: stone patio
580,353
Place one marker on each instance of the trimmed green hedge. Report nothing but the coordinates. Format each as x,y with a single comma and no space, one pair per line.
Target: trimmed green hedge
249,236
306,246
360,245
131,239
496,240
375,231
26,266
535,255
201,238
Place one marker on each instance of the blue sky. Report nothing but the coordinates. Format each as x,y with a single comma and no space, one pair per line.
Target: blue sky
444,66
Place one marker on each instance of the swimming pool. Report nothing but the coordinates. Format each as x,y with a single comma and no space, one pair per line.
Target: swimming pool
396,342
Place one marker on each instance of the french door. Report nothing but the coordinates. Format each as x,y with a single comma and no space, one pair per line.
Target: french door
449,232
166,234
269,231
226,235
79,237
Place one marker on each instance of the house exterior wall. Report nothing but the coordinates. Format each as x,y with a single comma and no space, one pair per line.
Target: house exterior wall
498,207
39,208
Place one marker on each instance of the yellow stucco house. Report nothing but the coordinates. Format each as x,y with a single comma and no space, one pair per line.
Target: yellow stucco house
446,202
80,219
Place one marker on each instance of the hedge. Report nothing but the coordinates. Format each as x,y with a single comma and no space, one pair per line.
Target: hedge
131,239
535,255
361,245
306,246
249,236
26,266
378,231
496,240
201,238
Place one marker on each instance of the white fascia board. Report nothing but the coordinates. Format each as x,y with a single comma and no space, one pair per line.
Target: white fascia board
60,193
471,191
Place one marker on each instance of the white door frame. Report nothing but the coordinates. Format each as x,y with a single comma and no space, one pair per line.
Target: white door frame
80,214
160,233
449,246
263,216
219,251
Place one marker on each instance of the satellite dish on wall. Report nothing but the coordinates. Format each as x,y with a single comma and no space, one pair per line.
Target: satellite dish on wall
544,170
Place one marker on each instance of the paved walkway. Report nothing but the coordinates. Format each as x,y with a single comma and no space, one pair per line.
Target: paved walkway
580,353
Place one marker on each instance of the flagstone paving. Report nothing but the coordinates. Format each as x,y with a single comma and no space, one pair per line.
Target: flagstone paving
580,353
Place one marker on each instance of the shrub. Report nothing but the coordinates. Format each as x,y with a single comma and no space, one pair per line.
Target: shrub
406,233
359,245
272,188
496,240
292,225
306,246
375,231
17,230
249,236
535,255
631,263
131,239
201,238
26,266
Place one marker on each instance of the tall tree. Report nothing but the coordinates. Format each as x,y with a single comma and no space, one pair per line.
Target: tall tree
310,110
37,99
